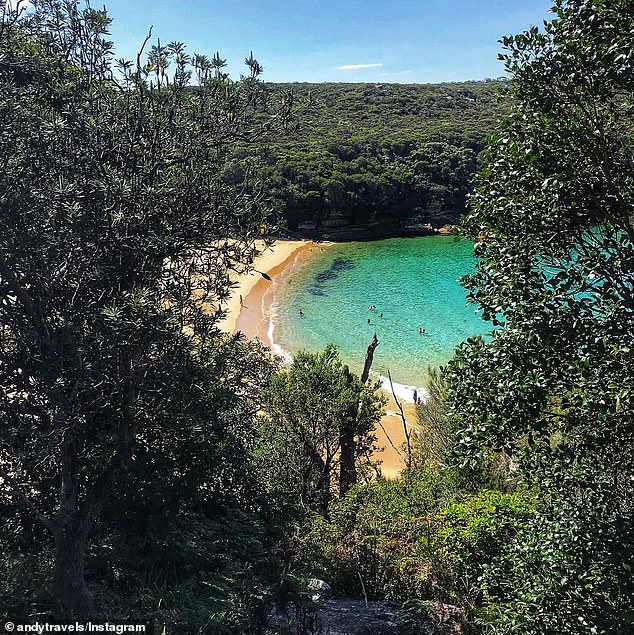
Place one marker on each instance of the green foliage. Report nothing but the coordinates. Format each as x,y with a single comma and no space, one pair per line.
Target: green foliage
552,221
568,571
307,408
381,154
124,408
435,438
196,573
423,536
25,589
475,530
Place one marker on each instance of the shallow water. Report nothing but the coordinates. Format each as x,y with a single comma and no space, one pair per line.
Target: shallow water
413,282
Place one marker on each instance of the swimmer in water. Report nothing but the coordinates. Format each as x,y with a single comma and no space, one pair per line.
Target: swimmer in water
301,313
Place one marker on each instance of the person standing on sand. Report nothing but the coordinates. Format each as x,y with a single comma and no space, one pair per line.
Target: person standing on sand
415,396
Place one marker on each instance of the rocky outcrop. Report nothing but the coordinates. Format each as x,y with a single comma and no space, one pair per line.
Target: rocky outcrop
356,617
445,230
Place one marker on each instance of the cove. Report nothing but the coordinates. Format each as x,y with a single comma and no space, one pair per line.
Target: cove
412,282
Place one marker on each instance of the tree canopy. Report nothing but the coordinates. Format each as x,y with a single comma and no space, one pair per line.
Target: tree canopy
382,155
553,222
117,237
309,410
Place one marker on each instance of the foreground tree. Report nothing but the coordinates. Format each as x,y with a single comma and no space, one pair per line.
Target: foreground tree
117,237
301,437
553,225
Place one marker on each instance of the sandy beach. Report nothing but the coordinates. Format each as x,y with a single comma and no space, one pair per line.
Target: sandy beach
253,318
270,262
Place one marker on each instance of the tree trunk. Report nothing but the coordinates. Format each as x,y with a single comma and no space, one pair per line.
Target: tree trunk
348,446
69,580
369,357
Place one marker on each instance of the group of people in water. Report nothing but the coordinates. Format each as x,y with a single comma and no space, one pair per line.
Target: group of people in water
372,307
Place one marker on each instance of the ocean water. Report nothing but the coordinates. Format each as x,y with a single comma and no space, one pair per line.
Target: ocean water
412,282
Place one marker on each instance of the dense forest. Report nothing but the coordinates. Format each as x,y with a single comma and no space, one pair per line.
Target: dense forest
156,469
381,156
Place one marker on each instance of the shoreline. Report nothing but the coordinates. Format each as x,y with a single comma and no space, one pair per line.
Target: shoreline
368,233
255,318
267,261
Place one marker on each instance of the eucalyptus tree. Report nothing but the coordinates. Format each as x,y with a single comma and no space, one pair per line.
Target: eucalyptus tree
553,224
118,235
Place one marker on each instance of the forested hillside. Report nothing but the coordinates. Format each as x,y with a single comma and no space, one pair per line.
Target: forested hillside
385,155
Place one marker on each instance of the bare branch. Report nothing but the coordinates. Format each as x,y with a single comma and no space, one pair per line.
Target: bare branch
408,434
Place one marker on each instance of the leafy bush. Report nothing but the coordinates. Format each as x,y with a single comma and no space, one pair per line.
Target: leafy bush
422,536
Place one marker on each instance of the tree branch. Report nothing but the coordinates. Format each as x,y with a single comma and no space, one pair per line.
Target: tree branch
408,434
34,313
15,488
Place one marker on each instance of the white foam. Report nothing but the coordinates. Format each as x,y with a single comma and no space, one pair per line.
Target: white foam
287,357
403,391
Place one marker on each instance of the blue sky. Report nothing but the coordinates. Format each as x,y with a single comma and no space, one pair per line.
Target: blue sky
335,40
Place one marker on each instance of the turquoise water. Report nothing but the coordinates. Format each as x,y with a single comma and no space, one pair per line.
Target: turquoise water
413,282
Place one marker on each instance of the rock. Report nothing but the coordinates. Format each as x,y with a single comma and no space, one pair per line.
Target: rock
435,618
318,589
448,619
355,617
445,230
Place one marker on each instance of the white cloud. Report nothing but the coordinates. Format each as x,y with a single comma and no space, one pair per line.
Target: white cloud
353,67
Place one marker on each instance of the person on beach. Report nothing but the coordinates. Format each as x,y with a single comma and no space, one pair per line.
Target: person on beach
415,396
241,303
